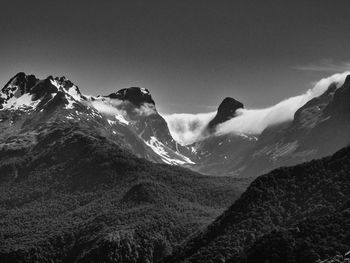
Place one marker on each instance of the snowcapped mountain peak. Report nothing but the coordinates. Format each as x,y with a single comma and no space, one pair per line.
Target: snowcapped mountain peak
18,85
26,91
127,117
137,96
71,91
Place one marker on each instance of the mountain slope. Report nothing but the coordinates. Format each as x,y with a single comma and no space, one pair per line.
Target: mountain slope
276,200
319,128
128,116
222,154
60,201
72,189
140,108
310,240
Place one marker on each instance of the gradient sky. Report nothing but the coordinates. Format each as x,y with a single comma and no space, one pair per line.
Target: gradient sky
189,54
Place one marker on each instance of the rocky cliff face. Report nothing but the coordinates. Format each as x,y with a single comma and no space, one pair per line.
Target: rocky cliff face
128,116
227,110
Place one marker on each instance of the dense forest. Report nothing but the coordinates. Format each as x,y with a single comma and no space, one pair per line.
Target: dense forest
74,186
75,196
282,212
310,240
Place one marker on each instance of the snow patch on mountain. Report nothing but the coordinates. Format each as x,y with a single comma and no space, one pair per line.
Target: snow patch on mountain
23,102
70,104
144,91
121,119
74,92
111,122
160,149
109,107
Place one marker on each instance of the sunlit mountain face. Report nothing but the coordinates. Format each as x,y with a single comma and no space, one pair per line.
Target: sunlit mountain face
174,131
60,147
234,141
112,181
95,178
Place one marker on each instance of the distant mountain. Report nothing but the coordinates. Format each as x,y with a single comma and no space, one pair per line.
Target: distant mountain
150,125
128,116
319,128
226,111
306,204
220,154
99,178
72,188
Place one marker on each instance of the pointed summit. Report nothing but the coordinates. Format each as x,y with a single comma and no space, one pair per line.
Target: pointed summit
23,90
227,110
135,95
18,85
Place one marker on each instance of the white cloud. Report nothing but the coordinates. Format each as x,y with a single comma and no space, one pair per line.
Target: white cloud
188,128
146,109
108,106
118,107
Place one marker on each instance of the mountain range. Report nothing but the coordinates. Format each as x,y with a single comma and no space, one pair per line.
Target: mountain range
319,128
129,117
73,187
101,179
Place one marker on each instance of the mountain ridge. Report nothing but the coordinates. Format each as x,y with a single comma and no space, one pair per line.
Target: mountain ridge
123,116
276,200
132,113
88,198
91,176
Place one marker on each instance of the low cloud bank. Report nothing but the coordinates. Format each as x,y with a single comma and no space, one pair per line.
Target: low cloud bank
146,109
118,107
188,128
108,106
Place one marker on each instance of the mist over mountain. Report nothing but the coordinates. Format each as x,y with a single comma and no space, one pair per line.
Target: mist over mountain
290,135
102,179
187,128
73,189
233,141
174,131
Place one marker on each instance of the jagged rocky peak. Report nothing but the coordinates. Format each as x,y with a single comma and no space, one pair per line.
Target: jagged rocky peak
19,84
227,110
65,83
22,83
135,95
26,91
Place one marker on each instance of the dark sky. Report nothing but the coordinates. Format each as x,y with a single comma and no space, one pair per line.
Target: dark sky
189,54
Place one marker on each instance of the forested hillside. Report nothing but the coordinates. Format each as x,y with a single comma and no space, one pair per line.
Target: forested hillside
298,197
76,196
